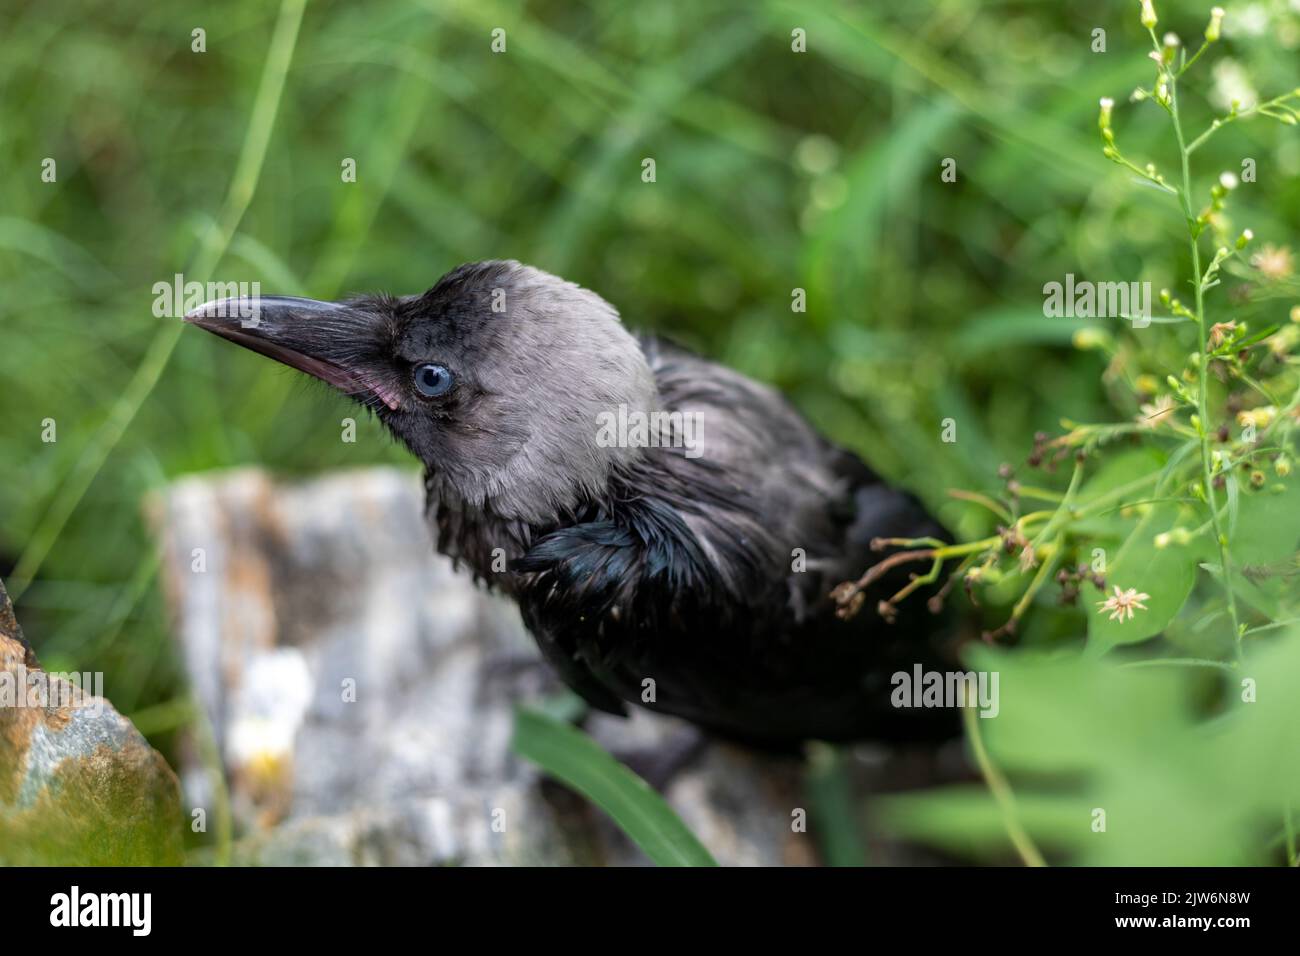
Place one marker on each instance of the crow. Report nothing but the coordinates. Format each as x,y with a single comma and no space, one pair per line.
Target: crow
670,529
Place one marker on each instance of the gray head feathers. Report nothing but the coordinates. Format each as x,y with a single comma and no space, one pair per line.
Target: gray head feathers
545,359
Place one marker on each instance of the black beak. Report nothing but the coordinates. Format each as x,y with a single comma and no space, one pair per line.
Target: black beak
319,338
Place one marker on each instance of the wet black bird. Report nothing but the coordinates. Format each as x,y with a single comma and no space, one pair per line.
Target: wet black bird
670,529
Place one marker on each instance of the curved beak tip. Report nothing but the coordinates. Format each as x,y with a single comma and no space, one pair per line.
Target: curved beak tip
246,311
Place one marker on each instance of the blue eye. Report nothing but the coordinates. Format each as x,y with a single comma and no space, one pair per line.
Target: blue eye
432,380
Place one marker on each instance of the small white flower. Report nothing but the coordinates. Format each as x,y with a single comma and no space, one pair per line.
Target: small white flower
1154,414
1251,21
1122,603
1275,262
1227,180
1232,87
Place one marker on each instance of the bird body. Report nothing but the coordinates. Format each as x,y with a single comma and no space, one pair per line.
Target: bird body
682,562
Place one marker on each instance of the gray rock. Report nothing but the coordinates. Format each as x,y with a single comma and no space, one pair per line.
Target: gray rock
78,783
360,692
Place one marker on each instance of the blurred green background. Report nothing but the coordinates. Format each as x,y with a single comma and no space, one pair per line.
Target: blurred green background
776,170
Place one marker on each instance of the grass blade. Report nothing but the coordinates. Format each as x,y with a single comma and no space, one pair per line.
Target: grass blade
572,757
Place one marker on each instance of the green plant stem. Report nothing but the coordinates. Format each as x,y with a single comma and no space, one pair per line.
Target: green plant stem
1044,572
1288,822
1203,385
1233,117
205,740
1187,65
1001,791
1101,503
1182,662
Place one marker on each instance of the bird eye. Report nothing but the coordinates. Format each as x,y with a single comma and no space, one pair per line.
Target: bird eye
432,380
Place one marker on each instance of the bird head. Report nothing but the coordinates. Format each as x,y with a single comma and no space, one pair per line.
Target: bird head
493,378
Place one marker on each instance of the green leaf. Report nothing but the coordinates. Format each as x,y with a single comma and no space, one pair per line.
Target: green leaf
835,809
1115,764
571,756
1166,575
1119,471
1268,524
995,330
1257,337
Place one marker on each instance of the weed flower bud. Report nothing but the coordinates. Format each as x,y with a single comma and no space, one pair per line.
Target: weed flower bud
1103,119
1257,418
1245,237
1220,332
1169,48
1149,15
1227,180
1216,22
1089,338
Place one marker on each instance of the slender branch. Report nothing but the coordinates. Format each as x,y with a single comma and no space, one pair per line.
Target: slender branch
1203,384
1182,662
1001,790
984,500
1187,65
1222,121
1288,823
